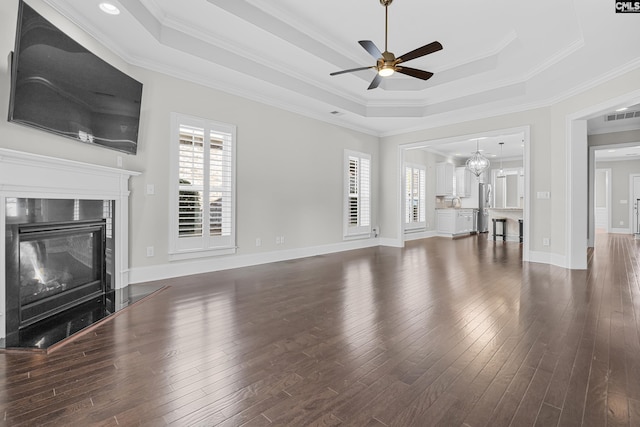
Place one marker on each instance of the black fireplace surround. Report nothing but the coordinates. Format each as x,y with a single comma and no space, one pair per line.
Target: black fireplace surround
58,269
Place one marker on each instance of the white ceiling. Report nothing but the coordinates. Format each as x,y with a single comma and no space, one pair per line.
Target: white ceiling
498,56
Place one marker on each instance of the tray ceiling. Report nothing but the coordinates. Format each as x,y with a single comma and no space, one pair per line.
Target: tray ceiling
497,57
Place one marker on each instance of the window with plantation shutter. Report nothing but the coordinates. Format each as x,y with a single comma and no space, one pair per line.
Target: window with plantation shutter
202,205
357,210
415,194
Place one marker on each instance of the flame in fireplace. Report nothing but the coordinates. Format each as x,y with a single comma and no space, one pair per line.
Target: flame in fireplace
30,254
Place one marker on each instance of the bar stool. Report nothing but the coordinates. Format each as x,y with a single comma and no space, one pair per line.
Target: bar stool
504,228
520,225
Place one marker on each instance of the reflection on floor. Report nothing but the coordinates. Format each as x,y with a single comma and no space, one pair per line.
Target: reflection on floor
54,330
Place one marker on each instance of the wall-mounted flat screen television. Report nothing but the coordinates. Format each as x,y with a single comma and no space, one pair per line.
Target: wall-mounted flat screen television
60,87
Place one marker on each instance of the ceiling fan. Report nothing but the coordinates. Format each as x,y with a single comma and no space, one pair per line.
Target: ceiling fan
387,63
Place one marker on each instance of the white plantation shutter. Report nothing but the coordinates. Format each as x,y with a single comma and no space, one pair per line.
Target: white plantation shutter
191,181
415,194
203,203
358,194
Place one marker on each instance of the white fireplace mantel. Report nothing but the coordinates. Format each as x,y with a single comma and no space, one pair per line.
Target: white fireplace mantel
26,175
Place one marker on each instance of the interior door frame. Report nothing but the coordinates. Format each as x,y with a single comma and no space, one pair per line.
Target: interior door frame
526,164
632,202
608,196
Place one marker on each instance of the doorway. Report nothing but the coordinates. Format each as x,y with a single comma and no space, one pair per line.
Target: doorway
454,151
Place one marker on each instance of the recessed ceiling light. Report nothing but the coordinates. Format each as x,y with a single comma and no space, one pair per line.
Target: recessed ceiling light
611,151
622,109
109,8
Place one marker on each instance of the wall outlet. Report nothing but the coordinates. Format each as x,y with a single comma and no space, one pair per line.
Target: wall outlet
150,251
621,222
151,189
545,241
258,241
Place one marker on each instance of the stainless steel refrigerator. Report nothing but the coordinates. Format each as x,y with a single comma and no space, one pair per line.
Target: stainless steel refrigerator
484,203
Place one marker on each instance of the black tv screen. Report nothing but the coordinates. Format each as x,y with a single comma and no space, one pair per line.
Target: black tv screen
60,87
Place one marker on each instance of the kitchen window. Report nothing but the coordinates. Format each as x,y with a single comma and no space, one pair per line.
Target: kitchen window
203,188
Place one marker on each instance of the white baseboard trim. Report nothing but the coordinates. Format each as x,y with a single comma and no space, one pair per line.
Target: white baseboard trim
620,231
186,268
394,243
419,235
548,258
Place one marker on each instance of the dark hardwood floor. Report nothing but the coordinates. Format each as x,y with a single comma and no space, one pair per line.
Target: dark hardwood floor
440,333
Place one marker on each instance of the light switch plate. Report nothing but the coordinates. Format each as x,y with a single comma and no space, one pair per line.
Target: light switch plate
543,195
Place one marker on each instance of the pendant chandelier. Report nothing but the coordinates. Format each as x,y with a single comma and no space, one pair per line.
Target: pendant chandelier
477,163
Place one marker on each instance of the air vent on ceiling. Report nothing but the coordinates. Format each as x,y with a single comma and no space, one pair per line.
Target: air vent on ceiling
622,115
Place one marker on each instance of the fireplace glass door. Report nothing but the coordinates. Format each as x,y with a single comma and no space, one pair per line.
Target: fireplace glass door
61,265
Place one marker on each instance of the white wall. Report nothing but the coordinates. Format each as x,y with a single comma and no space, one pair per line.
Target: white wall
289,167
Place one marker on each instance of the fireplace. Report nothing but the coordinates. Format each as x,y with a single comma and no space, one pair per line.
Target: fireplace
52,267
56,212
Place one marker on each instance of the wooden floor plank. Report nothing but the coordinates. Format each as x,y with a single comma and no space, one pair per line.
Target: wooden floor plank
439,333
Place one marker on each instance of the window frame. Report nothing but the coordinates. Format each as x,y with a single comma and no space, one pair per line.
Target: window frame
205,245
363,227
409,223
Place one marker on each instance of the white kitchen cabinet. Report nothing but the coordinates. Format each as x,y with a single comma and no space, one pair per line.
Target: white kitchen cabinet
444,179
446,221
455,222
465,223
463,182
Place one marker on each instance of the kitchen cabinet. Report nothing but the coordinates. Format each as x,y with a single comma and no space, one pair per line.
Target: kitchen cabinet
444,179
446,221
463,182
465,221
455,222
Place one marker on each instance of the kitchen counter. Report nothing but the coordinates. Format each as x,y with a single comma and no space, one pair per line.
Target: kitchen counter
513,215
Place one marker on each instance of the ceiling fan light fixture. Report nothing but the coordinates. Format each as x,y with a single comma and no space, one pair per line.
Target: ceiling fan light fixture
386,62
386,71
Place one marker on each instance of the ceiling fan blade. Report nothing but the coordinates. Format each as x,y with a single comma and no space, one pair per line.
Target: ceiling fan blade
421,51
419,74
351,70
375,82
370,47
